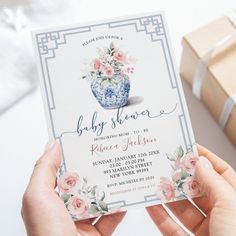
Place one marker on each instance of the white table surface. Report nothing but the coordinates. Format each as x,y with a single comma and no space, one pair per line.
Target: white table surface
23,131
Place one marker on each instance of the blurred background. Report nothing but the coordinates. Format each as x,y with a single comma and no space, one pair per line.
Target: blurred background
23,131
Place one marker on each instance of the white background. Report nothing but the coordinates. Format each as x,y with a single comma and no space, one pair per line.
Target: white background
23,131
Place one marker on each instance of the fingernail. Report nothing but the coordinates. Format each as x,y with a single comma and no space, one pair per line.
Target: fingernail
205,163
51,143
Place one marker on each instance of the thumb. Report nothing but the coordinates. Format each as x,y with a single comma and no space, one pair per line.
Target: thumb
212,183
45,169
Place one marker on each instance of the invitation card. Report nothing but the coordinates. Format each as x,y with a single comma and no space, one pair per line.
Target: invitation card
114,101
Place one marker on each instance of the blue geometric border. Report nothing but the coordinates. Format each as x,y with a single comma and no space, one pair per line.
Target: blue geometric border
153,26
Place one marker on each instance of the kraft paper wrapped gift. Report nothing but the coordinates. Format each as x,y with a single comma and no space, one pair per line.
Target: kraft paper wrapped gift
209,65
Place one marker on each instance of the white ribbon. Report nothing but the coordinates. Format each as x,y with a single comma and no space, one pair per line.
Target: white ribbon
202,69
232,17
203,65
228,107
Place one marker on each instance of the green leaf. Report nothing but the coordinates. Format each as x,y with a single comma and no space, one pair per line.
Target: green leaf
85,180
180,184
60,171
74,218
171,157
107,50
180,197
112,46
179,152
102,196
65,197
103,205
93,209
93,190
184,175
112,52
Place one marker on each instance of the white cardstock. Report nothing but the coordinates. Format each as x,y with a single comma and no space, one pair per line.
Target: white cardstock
115,103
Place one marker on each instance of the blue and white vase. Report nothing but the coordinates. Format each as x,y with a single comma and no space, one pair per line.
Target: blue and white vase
111,92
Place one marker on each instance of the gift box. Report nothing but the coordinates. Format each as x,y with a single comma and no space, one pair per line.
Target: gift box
209,64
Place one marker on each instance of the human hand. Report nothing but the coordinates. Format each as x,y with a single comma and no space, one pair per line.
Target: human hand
218,216
43,211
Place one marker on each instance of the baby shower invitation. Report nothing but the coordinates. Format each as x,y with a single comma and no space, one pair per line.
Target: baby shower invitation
115,103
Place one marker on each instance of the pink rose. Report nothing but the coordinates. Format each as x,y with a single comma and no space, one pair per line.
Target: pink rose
189,162
109,71
191,187
165,189
120,56
67,182
78,205
97,64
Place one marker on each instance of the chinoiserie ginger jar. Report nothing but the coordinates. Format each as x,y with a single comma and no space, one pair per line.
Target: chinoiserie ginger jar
111,92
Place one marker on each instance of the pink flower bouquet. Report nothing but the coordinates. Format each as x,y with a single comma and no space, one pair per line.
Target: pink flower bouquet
81,200
182,183
109,78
